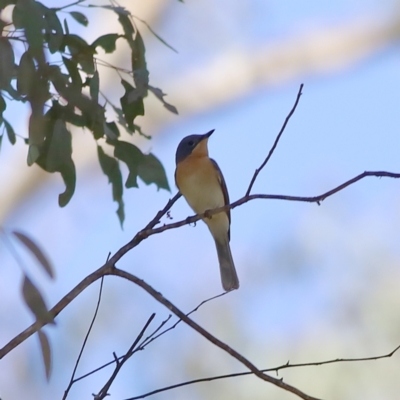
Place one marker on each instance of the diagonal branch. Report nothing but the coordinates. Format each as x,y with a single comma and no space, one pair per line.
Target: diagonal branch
161,299
104,391
150,230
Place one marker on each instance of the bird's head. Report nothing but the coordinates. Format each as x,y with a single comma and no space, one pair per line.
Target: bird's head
193,144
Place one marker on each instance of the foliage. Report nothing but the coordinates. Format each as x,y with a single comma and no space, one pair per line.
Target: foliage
57,76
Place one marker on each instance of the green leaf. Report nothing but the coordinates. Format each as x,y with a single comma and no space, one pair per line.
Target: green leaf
54,30
139,68
81,52
152,171
66,28
34,300
10,132
131,103
56,154
160,96
36,128
3,106
26,76
111,130
92,112
36,251
46,352
132,157
29,15
33,154
6,63
107,42
127,26
1,140
60,148
94,86
110,168
79,17
74,74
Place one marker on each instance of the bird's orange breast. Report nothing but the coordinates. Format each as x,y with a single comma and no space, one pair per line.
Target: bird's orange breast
198,181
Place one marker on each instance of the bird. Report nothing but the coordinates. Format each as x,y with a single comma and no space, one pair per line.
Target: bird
200,181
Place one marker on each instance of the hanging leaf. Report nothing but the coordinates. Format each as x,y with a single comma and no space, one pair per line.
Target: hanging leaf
131,103
74,74
152,171
94,86
36,251
29,15
79,17
54,30
110,168
132,157
107,42
46,352
3,106
34,300
139,68
160,96
6,63
10,132
111,130
26,76
81,52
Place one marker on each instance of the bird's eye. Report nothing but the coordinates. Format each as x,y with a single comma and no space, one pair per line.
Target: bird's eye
191,143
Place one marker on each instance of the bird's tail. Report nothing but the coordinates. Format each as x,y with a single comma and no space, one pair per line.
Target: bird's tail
229,277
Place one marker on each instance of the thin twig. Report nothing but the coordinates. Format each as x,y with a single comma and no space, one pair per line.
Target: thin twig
276,369
120,363
153,336
258,170
73,380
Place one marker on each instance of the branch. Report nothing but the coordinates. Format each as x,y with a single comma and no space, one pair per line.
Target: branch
314,199
86,282
73,380
149,230
153,336
276,369
258,170
161,299
104,391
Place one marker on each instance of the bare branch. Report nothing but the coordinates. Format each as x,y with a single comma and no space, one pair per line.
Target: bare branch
104,391
153,336
314,199
161,299
73,380
93,277
276,369
258,170
150,230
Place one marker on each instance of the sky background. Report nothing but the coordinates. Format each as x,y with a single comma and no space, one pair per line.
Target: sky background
317,282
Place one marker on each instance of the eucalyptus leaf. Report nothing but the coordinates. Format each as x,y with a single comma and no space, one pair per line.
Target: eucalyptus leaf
46,352
110,168
36,251
107,42
80,18
34,300
152,171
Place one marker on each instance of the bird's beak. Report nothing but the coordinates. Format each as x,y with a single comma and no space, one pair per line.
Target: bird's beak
208,134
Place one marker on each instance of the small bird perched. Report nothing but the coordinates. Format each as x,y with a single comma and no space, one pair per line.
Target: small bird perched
201,182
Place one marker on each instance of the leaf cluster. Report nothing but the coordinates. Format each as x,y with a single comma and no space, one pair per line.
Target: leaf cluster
57,76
